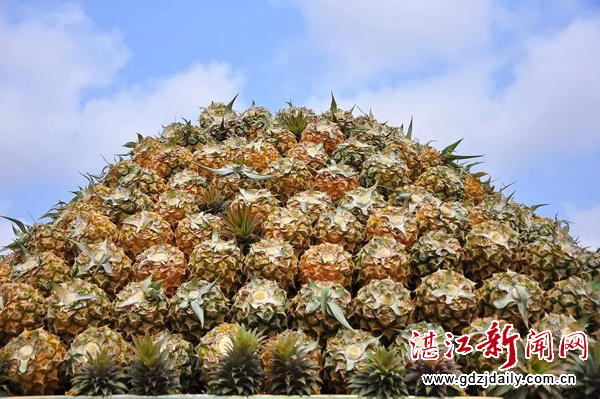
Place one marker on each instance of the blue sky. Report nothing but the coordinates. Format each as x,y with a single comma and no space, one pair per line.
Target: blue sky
518,80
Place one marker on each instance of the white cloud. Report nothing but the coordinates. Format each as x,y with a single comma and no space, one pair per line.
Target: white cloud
52,128
586,221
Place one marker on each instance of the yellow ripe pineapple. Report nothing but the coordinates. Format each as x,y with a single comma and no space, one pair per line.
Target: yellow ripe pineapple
41,270
212,156
38,238
193,229
362,202
131,175
141,308
336,180
167,160
279,137
35,362
381,258
217,259
434,251
382,307
104,264
91,227
386,171
5,270
143,230
474,189
313,155
289,225
162,262
259,155
174,205
320,308
262,305
409,152
311,203
22,308
123,202
273,259
144,147
448,298
339,226
322,131
75,306
290,177
86,199
327,262
395,223
450,217
262,201
197,307
444,182
213,346
345,353
187,180
90,342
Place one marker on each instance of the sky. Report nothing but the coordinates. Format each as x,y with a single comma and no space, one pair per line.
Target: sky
517,80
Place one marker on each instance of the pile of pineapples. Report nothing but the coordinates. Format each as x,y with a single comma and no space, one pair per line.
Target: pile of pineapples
286,254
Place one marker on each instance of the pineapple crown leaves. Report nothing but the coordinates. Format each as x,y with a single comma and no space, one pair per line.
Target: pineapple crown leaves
211,200
242,224
587,373
239,371
133,144
338,169
292,372
21,231
95,262
515,294
450,289
382,376
296,121
448,153
151,373
239,170
151,289
325,302
100,376
197,303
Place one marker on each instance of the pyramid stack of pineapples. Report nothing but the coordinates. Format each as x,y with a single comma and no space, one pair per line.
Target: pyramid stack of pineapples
283,252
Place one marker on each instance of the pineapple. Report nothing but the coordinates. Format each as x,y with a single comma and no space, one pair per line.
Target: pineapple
180,354
39,238
91,227
197,307
475,361
310,203
142,231
381,258
5,270
129,174
325,132
382,307
104,264
335,180
239,370
386,171
279,137
362,202
447,216
339,226
151,371
375,136
448,298
434,251
291,177
263,202
262,305
345,355
259,155
256,119
442,181
558,325
35,362
141,308
327,262
490,247
409,152
507,210
187,180
185,135
85,200
41,270
575,297
174,205
101,376
295,119
193,229
395,223
273,259
289,367
217,259
75,306
123,202
382,376
513,297
221,121
587,373
289,225
590,261
401,343
230,178
319,308
167,161
312,155
344,119
213,346
90,342
143,147
353,152
22,308
162,262
213,156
